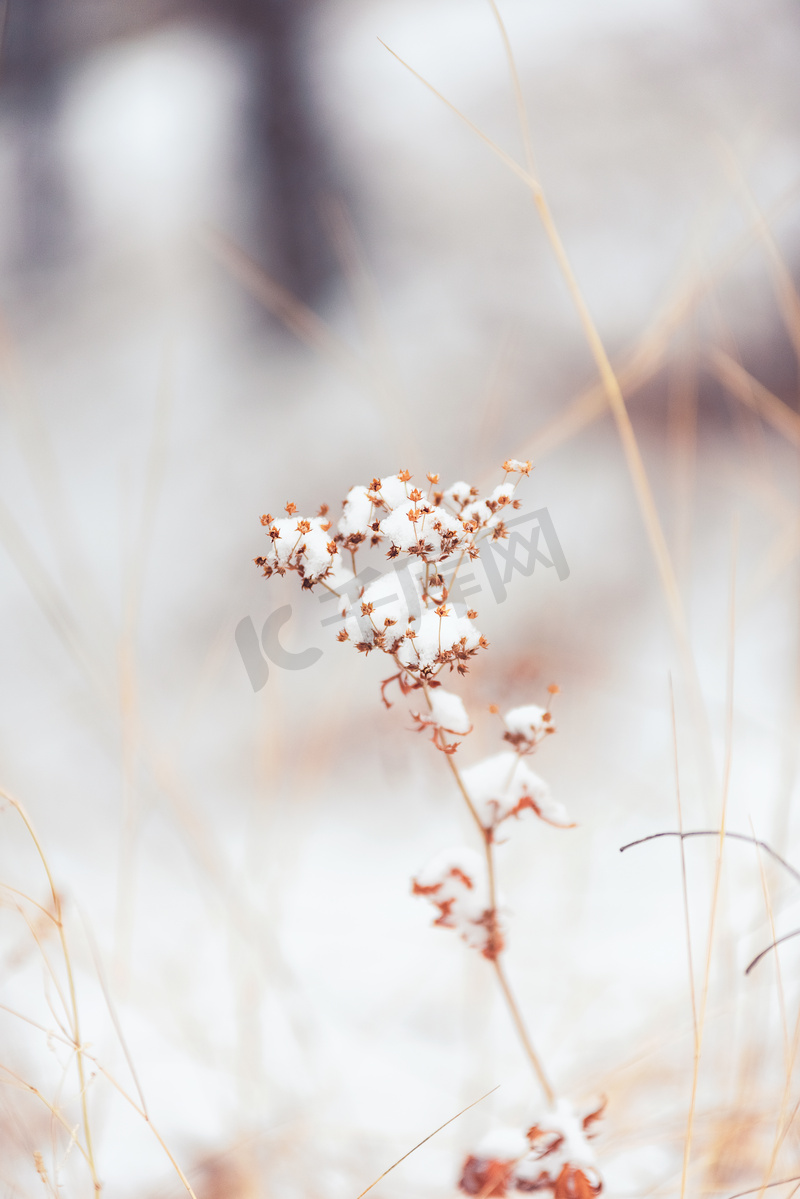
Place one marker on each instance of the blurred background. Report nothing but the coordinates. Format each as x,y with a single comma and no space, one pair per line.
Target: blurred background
247,257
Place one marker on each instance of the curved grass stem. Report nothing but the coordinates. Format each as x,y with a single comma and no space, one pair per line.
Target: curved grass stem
73,998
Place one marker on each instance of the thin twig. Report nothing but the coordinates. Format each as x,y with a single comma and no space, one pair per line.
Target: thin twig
779,1182
774,945
718,870
715,832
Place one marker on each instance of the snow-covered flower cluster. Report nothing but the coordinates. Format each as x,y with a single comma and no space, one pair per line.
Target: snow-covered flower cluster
447,716
554,1155
527,726
303,544
456,883
413,612
504,785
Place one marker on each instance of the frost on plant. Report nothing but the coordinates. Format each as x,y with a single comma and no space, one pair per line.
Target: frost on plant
553,1155
455,882
414,611
503,786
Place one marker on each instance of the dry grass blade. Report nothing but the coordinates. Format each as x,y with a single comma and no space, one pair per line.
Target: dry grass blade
474,1103
645,359
779,557
34,437
613,393
778,974
508,161
18,1081
785,291
291,312
755,395
73,998
127,657
718,870
48,597
614,399
112,1010
129,1099
683,438
107,1075
684,883
779,1182
522,110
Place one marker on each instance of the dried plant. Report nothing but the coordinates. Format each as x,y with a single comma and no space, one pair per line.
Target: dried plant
415,613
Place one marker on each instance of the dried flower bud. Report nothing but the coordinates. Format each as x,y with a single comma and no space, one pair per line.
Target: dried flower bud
490,1170
526,727
455,882
561,1157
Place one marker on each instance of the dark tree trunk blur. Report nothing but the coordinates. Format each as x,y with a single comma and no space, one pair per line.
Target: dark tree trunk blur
289,168
292,171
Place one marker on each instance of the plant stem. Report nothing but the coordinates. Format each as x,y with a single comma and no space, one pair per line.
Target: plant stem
523,1033
505,986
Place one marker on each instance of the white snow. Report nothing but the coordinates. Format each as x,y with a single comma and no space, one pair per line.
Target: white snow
391,602
459,493
438,633
400,528
574,1150
526,721
498,784
448,711
357,512
393,491
455,881
503,1144
315,545
503,494
308,547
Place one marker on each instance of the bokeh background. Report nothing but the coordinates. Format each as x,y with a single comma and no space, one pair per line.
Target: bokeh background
247,257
